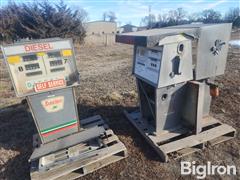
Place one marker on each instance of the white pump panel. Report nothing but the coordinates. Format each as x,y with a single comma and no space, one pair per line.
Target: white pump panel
43,65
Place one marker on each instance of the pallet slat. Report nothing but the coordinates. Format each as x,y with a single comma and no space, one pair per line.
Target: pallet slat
88,161
197,139
170,145
220,139
83,163
90,119
95,166
163,156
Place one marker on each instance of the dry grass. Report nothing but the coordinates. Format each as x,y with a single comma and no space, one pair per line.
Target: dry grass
107,88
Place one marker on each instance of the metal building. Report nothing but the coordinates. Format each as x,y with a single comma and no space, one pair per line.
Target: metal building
100,33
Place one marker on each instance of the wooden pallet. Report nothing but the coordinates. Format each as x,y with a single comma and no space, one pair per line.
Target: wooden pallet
179,143
90,159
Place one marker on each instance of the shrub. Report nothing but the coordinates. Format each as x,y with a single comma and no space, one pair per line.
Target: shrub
41,20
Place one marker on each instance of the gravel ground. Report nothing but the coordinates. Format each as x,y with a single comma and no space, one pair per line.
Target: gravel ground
107,87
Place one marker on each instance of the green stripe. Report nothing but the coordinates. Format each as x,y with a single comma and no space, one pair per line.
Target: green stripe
58,126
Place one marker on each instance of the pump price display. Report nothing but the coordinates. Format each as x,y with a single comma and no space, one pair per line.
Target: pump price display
42,86
41,65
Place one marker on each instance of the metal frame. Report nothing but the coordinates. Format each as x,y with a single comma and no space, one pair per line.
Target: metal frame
181,124
67,141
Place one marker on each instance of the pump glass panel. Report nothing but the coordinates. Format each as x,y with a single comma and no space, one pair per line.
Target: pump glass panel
38,66
147,64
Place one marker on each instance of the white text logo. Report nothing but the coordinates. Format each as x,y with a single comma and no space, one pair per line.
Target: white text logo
201,171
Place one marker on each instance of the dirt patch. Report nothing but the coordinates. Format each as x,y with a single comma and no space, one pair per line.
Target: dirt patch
107,87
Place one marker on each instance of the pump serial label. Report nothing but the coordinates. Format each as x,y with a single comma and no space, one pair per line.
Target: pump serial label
42,86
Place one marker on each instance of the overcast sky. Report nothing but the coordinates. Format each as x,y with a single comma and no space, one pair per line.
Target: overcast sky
133,10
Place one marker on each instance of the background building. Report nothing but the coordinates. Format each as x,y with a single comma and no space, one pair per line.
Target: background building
127,28
100,32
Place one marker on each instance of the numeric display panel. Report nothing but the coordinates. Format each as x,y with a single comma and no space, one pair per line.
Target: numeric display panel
147,64
38,62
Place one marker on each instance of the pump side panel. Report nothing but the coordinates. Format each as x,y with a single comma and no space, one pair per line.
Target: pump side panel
54,113
169,104
208,64
172,72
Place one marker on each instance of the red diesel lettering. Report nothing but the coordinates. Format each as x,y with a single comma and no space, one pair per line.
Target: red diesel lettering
37,47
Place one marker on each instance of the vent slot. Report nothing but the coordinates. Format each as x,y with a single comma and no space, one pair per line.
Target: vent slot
34,73
54,54
56,63
28,58
58,69
32,66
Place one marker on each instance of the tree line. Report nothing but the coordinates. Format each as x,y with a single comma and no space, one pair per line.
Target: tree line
109,16
180,16
41,20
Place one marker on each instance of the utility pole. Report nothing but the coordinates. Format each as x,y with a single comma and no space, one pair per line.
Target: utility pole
149,17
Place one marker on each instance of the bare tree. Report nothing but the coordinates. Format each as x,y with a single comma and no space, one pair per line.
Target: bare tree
105,16
233,15
112,16
180,14
194,17
177,16
109,16
148,21
210,16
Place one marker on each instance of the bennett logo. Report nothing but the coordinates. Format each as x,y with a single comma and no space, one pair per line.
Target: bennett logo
53,104
201,171
49,85
37,47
